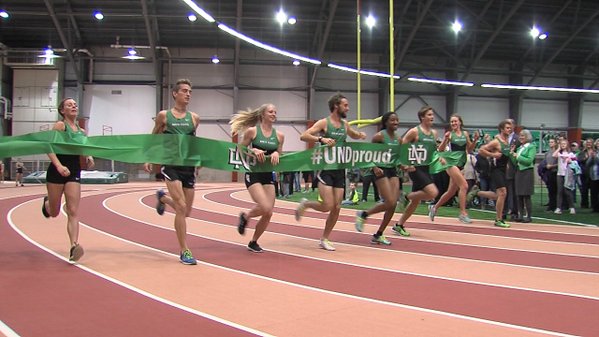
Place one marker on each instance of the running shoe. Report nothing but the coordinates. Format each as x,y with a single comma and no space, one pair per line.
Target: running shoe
326,245
242,223
464,219
380,240
399,229
432,212
473,192
360,219
76,252
160,204
301,208
502,224
44,211
558,211
254,247
572,211
187,258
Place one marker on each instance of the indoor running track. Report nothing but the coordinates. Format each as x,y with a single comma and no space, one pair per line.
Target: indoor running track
447,279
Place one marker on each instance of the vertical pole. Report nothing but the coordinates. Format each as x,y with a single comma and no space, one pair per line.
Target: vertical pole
391,60
358,31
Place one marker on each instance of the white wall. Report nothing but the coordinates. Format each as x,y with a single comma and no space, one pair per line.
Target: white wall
554,114
127,109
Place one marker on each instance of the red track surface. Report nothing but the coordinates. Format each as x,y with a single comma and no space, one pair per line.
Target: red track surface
446,280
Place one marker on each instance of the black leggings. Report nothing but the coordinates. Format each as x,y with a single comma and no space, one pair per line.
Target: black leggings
524,201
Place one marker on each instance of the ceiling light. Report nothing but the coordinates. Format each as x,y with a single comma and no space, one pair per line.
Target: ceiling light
215,59
281,16
534,32
132,55
296,62
543,36
456,26
530,87
370,21
48,53
4,14
433,81
259,44
292,20
200,11
364,72
98,15
191,17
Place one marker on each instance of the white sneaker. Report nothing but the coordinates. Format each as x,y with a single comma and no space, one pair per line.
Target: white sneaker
326,245
558,211
301,208
572,211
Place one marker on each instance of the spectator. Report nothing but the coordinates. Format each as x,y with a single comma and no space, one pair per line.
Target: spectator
524,158
592,167
564,157
582,158
551,175
368,178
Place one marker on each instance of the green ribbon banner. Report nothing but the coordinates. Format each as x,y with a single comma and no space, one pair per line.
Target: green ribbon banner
184,150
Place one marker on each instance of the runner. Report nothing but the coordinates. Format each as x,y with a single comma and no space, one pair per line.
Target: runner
423,188
458,141
330,131
64,177
499,151
180,180
264,140
387,181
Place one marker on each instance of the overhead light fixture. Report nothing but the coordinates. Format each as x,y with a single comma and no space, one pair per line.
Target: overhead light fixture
530,87
535,32
292,20
370,21
281,16
191,17
543,36
200,11
363,72
296,63
4,14
264,46
132,55
48,53
456,26
446,82
98,15
215,59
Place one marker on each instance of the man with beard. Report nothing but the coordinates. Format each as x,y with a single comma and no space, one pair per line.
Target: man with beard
498,150
330,131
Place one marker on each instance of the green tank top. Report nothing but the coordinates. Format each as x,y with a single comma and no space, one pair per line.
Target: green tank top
268,144
388,140
501,162
338,134
179,126
458,144
421,151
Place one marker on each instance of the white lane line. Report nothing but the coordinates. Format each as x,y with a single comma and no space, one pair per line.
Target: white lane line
128,286
419,239
226,322
7,331
368,247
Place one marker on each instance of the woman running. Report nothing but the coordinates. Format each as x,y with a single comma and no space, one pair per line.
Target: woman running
386,181
458,141
263,140
64,177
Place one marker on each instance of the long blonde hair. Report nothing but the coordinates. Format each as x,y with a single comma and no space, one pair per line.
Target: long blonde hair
244,119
